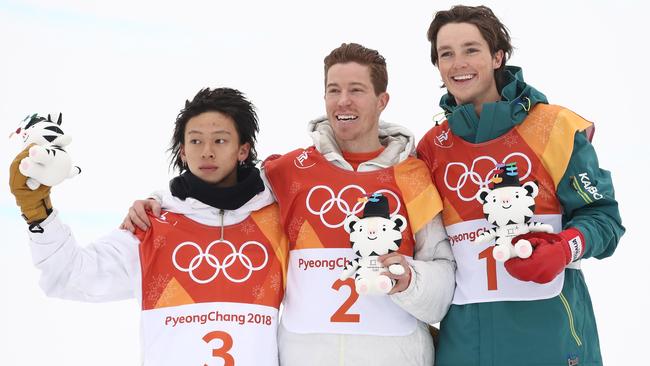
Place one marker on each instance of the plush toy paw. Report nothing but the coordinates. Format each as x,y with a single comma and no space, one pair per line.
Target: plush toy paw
39,154
25,166
545,228
362,286
501,253
30,168
32,184
483,238
523,249
396,269
347,272
384,284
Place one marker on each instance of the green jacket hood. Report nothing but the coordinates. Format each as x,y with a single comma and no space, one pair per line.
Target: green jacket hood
497,118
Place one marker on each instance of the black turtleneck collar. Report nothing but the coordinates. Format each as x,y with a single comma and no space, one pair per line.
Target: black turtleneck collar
249,184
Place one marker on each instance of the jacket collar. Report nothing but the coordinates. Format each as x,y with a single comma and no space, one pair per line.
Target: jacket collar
209,215
398,144
247,186
517,98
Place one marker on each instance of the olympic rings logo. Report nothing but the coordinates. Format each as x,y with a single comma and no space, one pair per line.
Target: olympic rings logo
476,178
214,262
341,204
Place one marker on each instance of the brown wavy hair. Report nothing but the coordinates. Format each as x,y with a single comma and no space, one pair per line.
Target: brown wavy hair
493,31
354,52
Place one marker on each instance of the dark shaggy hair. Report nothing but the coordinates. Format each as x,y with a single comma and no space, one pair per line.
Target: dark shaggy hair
493,31
230,102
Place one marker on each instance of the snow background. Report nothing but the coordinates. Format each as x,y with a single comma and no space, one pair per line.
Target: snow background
121,70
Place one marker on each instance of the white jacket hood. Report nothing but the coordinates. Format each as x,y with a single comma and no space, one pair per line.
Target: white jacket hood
398,141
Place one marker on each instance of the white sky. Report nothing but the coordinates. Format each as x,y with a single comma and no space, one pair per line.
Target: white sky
121,70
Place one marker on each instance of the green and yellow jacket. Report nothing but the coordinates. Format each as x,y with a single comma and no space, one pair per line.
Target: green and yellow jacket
556,331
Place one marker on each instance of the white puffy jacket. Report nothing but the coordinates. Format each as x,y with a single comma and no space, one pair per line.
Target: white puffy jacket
109,268
427,298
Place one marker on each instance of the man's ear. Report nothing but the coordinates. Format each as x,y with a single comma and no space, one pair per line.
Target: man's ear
244,151
497,59
182,153
383,101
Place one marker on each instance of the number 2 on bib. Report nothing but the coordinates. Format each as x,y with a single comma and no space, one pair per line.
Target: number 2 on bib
341,315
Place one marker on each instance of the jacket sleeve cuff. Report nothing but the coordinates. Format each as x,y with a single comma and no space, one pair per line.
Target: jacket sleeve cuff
53,230
429,294
576,241
411,287
52,240
157,195
406,298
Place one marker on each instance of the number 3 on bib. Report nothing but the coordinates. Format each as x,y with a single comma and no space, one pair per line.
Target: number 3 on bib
221,352
341,315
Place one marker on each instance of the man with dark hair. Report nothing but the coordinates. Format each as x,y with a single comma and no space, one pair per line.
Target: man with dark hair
354,155
228,101
523,311
208,289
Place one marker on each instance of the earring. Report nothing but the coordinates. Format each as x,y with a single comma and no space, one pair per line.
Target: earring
241,163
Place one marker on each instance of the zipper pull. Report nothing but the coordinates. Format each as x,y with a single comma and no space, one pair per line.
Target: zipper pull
221,213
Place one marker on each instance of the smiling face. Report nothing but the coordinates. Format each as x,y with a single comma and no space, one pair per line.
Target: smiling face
466,64
353,108
211,148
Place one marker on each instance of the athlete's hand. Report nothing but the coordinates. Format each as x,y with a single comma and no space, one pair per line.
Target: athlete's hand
137,215
270,158
34,204
402,281
551,254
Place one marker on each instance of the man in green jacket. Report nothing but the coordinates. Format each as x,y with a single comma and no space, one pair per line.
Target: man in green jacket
523,311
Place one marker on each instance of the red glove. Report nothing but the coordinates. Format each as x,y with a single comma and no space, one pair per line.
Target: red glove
551,254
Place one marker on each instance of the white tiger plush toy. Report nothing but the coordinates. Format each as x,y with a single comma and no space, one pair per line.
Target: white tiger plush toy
509,206
374,234
48,163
